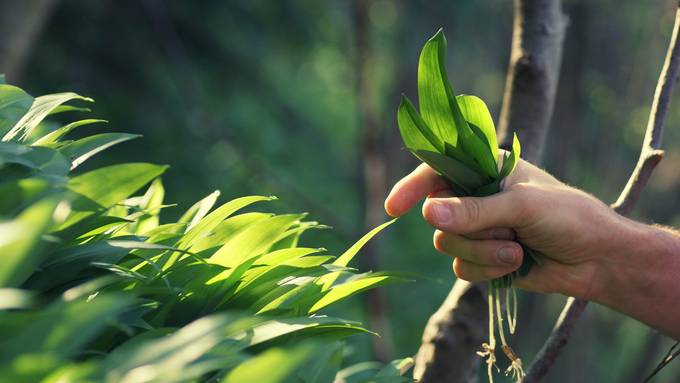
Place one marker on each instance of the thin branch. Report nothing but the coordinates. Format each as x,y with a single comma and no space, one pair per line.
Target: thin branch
650,155
673,352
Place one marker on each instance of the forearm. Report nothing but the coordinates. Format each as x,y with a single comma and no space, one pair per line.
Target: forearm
643,279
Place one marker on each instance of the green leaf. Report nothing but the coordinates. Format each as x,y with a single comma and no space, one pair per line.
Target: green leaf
277,328
436,98
511,159
107,186
19,194
226,229
57,134
15,299
68,108
349,254
273,366
353,286
325,364
414,131
396,367
166,356
81,150
151,202
198,210
14,103
454,171
209,222
461,156
254,240
21,239
65,326
343,260
283,255
44,160
476,113
41,107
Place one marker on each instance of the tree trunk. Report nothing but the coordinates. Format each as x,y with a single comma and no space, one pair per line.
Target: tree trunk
374,176
456,331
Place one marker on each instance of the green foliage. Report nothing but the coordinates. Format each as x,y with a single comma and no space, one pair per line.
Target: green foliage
94,287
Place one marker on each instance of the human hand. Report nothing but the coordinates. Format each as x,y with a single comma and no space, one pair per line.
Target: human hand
575,233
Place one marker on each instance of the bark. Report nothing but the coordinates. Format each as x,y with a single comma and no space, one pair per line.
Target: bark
20,24
650,155
531,85
452,335
374,178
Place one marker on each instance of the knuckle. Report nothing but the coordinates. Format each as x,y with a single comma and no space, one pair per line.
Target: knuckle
525,199
472,210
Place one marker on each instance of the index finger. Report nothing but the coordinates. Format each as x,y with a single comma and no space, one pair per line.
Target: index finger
411,189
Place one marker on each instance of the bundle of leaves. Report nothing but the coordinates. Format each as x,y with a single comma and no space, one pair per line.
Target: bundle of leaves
456,137
93,287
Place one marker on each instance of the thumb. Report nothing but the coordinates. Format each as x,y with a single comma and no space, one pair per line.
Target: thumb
471,214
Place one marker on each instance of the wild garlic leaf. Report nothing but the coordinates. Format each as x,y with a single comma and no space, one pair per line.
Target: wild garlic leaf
416,134
477,114
81,150
436,98
22,239
478,149
42,106
440,110
463,157
511,158
14,103
454,170
55,135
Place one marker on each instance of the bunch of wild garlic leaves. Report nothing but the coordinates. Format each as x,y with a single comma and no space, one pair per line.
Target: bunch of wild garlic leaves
456,136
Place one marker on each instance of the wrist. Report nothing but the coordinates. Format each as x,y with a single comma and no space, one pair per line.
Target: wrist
636,275
622,261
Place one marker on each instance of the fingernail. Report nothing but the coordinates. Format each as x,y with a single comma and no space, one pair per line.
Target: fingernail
507,255
442,213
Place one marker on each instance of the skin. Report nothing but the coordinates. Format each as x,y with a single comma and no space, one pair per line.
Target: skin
588,250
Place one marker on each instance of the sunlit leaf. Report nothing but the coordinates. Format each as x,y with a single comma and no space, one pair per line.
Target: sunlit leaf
476,113
272,366
436,98
415,132
57,134
79,151
41,107
20,240
106,186
14,103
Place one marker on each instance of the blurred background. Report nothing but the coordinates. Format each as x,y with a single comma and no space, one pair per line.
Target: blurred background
297,99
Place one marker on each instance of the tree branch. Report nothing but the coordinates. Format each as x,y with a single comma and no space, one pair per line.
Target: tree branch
650,155
456,331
